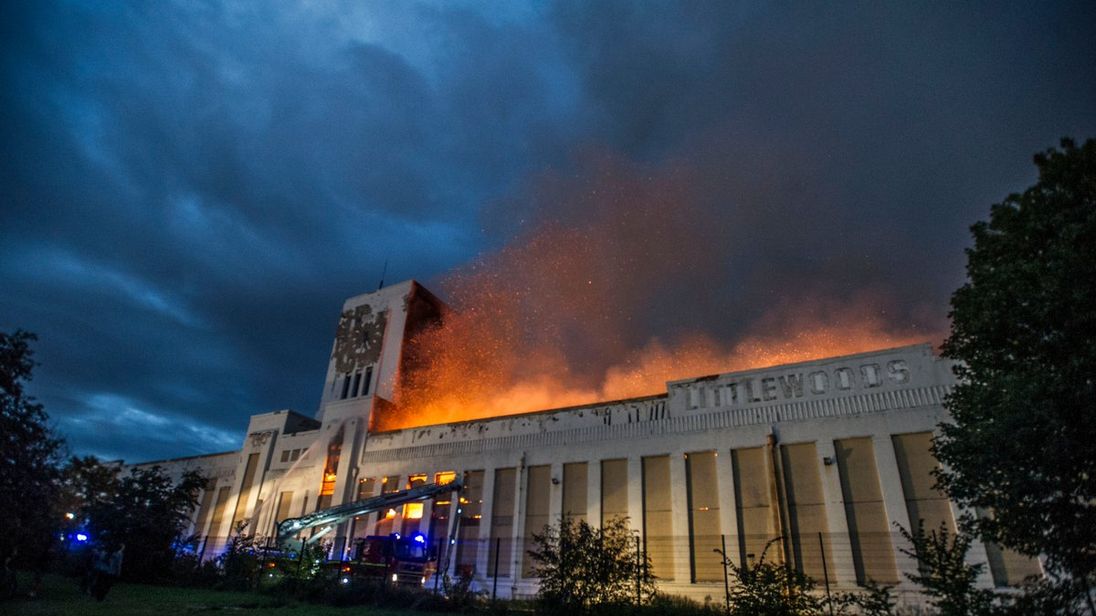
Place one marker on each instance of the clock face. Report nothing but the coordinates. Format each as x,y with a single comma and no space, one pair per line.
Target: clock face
358,338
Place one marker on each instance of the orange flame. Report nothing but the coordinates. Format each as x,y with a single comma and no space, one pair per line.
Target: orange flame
565,315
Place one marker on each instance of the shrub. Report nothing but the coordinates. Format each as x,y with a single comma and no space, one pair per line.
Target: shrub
582,568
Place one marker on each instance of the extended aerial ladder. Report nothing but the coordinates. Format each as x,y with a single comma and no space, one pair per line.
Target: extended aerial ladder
326,519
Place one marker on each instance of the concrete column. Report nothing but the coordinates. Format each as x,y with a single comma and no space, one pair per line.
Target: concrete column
593,492
427,511
263,491
894,501
265,452
487,517
679,500
345,480
225,529
518,529
728,521
450,532
635,493
842,569
555,498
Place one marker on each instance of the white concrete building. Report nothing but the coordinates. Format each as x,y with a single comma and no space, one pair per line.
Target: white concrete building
829,454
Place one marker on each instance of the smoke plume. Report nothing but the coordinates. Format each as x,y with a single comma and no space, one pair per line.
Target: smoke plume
625,277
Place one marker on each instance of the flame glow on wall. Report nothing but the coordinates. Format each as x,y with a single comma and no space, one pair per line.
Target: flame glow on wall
621,284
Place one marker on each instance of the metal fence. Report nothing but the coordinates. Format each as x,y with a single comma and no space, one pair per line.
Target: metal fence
836,561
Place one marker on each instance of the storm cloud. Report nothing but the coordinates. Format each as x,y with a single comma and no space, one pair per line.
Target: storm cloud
190,190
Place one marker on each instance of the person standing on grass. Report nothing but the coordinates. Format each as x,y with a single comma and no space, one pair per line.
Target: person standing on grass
108,567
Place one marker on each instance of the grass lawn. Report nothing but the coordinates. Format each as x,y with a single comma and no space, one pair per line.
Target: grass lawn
61,596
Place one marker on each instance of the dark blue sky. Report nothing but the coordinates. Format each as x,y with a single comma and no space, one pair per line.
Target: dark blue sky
189,190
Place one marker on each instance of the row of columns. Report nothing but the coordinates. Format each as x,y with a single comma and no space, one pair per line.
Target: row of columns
842,565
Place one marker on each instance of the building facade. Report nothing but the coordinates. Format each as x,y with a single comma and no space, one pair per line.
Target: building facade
813,463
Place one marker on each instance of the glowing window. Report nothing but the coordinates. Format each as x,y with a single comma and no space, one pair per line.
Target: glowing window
412,511
444,477
327,488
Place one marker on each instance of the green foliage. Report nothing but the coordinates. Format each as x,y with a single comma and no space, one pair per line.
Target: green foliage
188,571
1024,330
1048,596
582,568
768,588
666,605
876,600
146,511
29,458
86,484
944,572
298,570
460,597
241,563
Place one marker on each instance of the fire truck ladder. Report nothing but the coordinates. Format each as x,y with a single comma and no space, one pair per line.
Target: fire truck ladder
326,519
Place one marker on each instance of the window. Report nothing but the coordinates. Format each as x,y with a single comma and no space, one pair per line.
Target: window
345,387
285,455
357,383
368,380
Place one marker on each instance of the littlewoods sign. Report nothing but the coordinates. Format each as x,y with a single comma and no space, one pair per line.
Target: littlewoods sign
796,385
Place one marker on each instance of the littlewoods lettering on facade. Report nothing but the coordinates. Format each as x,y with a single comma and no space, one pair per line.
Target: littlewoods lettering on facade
791,386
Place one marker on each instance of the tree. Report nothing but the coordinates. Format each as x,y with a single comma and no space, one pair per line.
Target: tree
29,459
582,568
1020,444
86,483
148,512
944,573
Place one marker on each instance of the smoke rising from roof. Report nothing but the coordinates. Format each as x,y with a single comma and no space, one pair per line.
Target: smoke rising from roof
629,276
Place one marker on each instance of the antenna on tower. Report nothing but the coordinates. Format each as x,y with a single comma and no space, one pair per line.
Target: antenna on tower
383,272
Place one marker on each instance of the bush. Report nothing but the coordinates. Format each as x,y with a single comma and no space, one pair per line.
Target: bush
459,596
240,564
944,572
582,568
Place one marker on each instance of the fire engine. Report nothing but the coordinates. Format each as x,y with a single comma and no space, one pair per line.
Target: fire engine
393,559
405,560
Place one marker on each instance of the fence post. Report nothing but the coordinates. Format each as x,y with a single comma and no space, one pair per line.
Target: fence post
726,580
825,571
437,562
789,558
495,585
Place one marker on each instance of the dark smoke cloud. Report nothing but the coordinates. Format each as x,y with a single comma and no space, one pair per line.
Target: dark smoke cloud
188,191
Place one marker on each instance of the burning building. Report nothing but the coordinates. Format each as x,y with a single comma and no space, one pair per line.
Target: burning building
814,463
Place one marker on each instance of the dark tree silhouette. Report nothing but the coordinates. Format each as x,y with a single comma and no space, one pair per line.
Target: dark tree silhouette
1022,444
29,457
